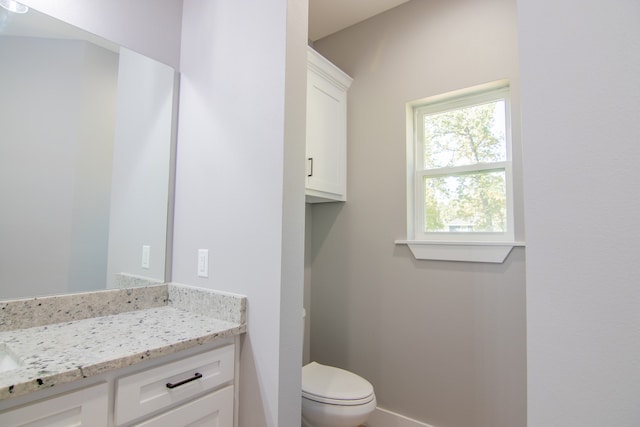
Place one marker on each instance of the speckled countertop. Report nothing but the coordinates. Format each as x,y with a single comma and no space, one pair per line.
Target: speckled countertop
93,333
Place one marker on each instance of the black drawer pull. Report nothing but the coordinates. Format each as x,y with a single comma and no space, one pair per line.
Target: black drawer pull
195,376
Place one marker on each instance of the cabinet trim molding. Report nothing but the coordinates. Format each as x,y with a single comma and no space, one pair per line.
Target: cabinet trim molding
322,66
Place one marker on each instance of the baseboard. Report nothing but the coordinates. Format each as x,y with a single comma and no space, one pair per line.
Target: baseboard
385,418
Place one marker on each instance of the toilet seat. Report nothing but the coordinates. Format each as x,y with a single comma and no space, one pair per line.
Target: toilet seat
334,386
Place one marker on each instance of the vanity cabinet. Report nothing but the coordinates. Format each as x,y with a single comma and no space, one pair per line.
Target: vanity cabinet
194,390
213,409
326,144
152,390
87,407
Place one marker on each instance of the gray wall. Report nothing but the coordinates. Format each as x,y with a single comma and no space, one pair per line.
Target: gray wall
583,321
442,342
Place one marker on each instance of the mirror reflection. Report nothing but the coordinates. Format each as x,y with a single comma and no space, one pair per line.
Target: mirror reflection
86,143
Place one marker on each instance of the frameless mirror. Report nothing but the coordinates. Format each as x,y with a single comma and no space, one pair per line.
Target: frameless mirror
87,143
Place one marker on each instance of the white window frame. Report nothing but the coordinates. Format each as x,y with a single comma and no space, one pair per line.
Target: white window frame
456,246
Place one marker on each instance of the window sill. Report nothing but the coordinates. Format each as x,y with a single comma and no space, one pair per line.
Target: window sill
493,252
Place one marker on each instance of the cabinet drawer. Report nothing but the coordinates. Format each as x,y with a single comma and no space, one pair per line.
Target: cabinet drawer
166,385
214,409
86,407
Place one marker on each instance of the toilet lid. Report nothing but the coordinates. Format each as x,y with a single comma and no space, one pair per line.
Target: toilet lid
327,384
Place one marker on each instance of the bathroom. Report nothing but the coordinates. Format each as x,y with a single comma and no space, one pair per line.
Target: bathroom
443,343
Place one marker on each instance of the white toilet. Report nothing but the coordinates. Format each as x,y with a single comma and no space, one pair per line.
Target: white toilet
333,397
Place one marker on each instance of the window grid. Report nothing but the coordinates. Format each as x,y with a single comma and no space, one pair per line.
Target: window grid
443,104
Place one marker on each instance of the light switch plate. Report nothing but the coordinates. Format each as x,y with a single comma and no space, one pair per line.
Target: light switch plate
203,262
146,255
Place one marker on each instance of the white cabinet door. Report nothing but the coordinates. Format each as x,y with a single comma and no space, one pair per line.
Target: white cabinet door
87,407
326,144
214,409
152,390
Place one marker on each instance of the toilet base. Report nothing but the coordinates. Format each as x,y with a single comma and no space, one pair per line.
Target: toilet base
315,414
306,424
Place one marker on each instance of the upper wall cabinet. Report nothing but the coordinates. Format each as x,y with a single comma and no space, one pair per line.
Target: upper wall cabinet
326,145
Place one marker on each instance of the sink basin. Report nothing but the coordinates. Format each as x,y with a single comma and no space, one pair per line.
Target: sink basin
8,360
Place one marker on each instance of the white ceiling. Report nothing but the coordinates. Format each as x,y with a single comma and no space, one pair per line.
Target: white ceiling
329,16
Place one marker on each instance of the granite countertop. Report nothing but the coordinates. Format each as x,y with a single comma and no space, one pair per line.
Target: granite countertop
93,333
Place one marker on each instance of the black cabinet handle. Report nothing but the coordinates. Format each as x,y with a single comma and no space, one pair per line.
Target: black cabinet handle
310,166
195,376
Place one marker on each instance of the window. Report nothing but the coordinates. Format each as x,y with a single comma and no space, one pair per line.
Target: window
459,168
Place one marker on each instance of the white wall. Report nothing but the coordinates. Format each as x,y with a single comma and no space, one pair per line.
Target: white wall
580,64
239,183
149,27
54,170
141,166
441,342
